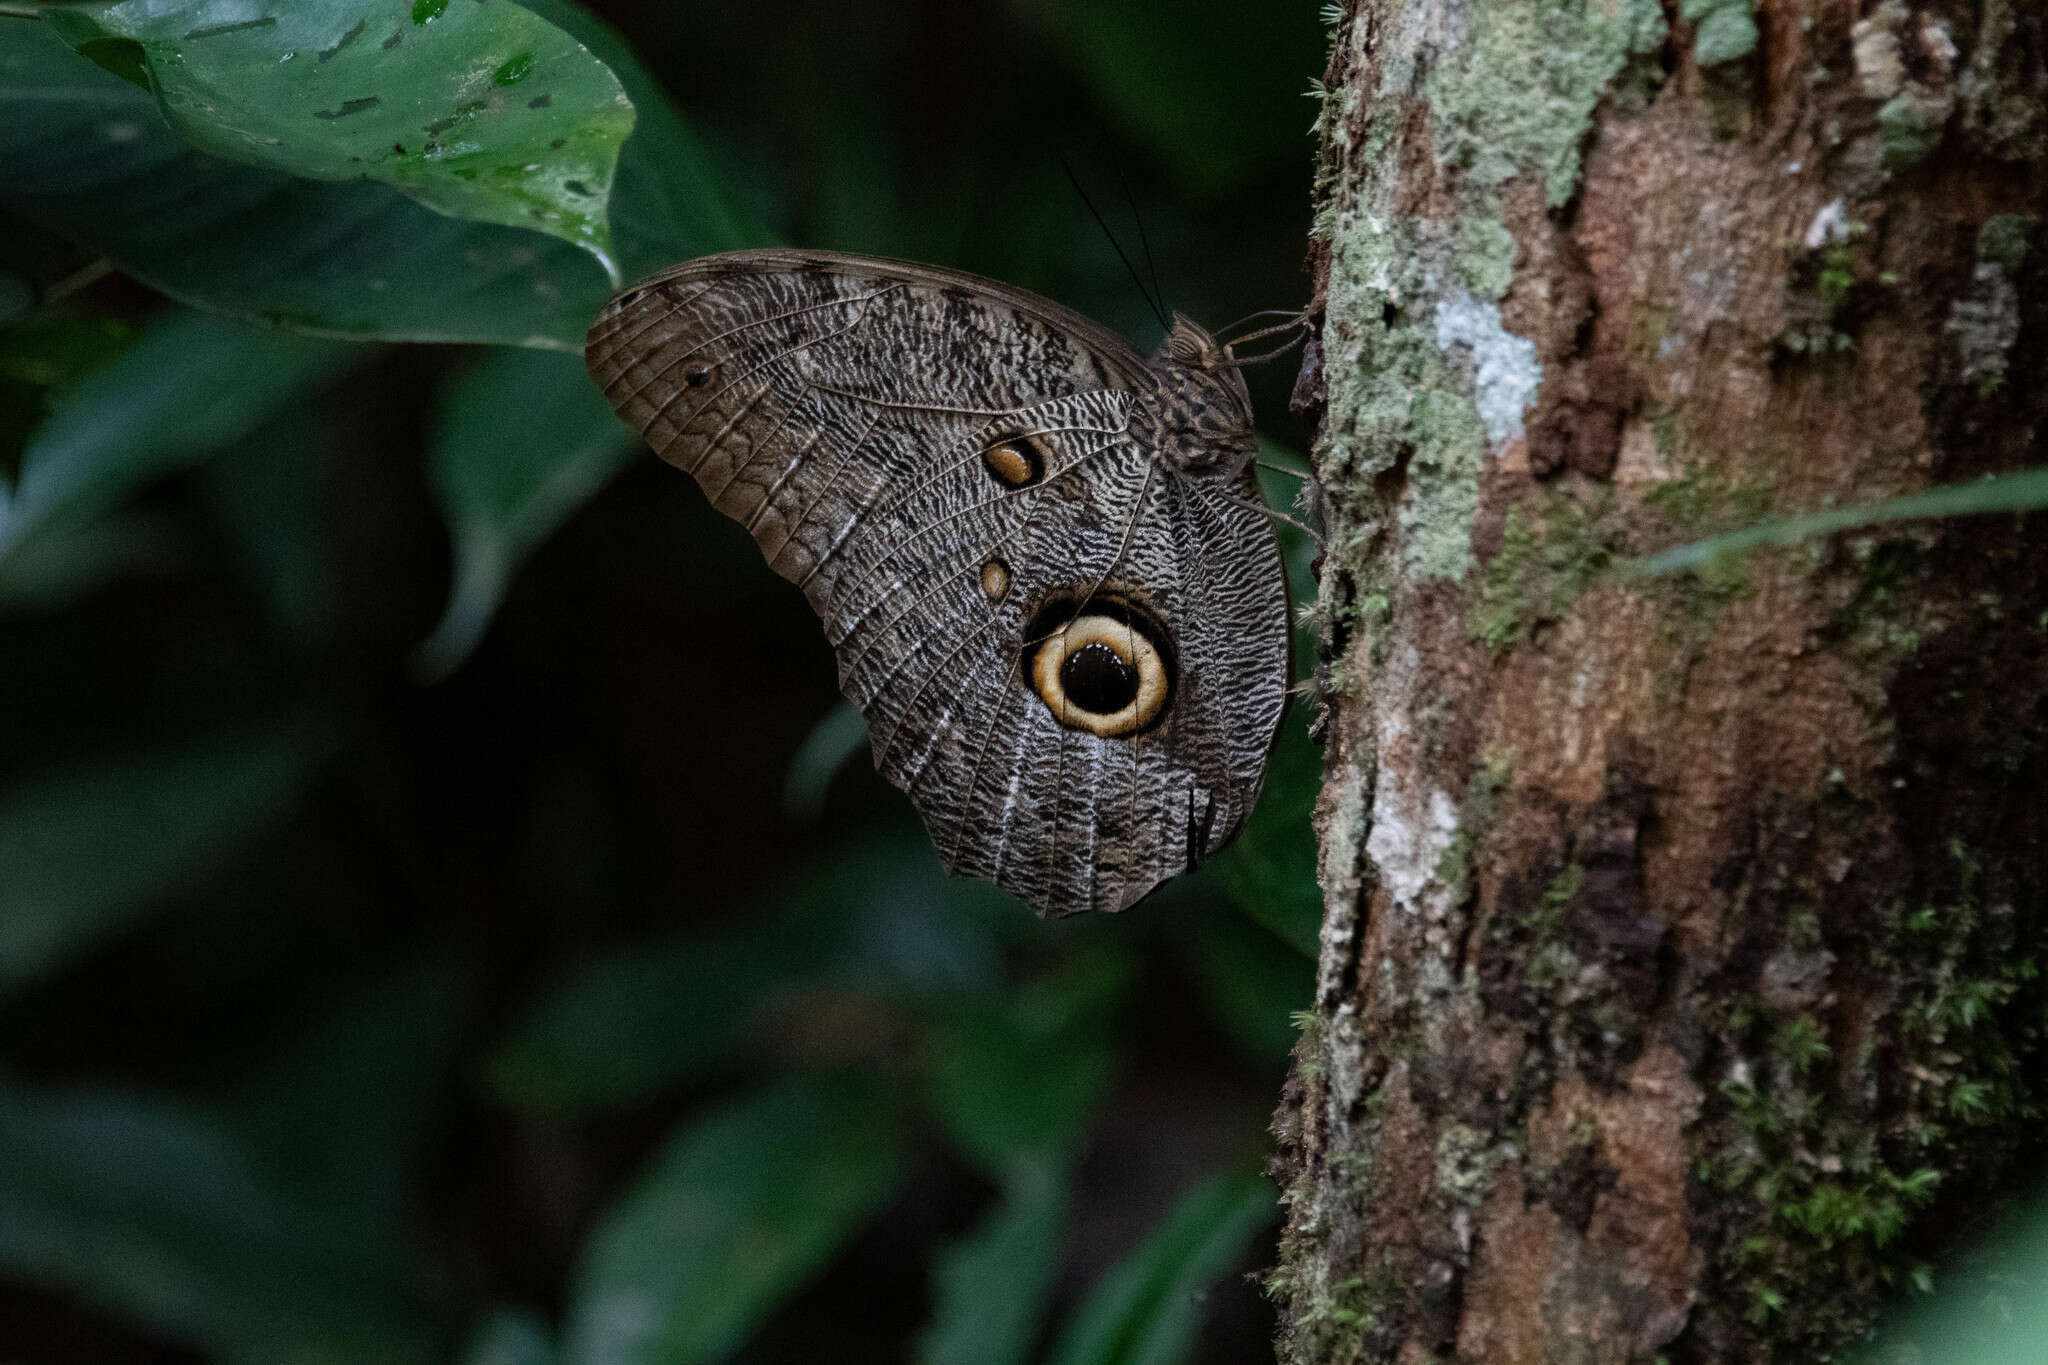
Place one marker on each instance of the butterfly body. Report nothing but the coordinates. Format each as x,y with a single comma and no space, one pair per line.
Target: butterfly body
1039,556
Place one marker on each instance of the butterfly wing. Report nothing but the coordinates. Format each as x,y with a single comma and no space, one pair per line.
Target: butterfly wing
940,462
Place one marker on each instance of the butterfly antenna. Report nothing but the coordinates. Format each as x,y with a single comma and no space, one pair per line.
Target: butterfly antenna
1144,243
1136,279
1294,322
1290,314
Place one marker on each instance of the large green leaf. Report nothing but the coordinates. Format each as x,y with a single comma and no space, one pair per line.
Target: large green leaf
1146,1310
482,110
1022,1080
522,440
731,1217
992,1284
192,385
88,154
88,848
156,1213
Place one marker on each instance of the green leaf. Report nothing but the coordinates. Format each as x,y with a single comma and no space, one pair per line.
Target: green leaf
1252,983
342,1111
88,155
624,1027
481,111
522,440
510,1337
154,1212
832,743
2025,491
1990,1305
1146,1310
670,201
87,849
729,1219
992,1285
1023,1081
192,385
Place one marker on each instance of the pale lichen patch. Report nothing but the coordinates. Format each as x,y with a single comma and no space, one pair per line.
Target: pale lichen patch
1505,371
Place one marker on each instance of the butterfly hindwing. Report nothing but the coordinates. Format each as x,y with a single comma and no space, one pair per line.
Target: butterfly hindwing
944,466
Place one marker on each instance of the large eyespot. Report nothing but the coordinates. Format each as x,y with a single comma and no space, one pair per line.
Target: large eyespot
1015,461
1108,670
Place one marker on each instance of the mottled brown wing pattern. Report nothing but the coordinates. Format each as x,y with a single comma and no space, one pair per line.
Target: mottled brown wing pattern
843,410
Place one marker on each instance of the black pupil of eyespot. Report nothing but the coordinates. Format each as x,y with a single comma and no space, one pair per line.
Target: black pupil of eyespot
696,375
1096,679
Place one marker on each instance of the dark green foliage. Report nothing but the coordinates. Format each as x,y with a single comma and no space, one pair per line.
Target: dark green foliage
523,988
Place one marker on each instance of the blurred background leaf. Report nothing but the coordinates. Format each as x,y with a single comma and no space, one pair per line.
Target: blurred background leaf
524,439
88,847
155,1210
740,1204
1145,1311
1989,1308
510,1338
993,1283
189,386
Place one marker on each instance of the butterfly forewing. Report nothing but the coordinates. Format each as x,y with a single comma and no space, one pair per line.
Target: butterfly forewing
939,462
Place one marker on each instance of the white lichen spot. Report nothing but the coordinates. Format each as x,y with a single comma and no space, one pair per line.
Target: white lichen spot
1505,371
1880,67
1829,226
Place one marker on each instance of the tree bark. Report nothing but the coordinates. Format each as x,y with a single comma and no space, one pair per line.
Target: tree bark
1676,997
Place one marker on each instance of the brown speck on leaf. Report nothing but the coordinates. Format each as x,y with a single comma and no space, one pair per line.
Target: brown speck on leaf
398,147
540,101
394,40
348,107
558,144
345,39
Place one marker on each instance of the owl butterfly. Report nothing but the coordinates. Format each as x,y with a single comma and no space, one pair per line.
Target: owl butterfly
1040,557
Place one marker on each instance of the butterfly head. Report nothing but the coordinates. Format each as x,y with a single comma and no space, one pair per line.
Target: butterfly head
1201,412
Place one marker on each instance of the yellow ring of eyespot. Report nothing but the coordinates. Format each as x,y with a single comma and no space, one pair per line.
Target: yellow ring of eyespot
1129,644
1013,462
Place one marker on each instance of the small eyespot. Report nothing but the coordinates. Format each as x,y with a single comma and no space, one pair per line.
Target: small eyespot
995,580
1103,675
697,375
1015,461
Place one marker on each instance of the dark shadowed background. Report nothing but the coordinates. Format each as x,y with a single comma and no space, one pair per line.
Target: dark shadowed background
555,991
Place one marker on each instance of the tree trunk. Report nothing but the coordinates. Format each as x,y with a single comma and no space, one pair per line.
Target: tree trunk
1676,996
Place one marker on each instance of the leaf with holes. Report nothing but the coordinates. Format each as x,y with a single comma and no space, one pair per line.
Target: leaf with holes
482,111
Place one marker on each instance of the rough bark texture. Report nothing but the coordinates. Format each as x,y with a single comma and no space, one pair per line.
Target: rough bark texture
1676,996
